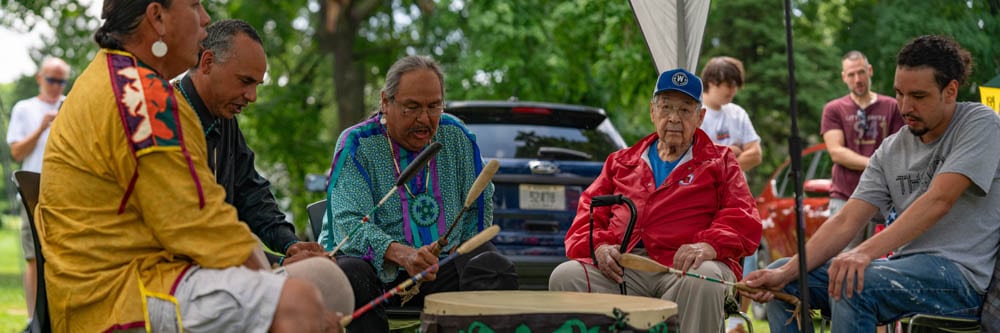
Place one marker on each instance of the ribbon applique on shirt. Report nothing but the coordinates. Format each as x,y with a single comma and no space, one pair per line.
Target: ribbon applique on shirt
149,113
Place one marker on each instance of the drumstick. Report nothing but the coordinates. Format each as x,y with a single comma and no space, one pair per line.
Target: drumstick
404,177
469,245
485,176
645,264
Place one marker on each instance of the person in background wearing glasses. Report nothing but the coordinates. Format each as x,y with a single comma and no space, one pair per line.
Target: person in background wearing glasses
695,213
853,126
26,134
395,243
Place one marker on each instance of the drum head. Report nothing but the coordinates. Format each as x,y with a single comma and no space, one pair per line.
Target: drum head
638,312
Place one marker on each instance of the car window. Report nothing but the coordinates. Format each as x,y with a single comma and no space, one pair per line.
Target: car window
823,166
817,165
524,141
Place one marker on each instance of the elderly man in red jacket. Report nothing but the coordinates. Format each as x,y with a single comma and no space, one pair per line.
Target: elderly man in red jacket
694,212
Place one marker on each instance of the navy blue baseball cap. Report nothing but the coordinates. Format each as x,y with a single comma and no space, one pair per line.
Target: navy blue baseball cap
679,80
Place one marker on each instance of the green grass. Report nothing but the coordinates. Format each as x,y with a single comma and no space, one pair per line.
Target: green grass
13,311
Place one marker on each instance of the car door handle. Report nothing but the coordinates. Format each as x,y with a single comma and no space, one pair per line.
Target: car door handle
543,168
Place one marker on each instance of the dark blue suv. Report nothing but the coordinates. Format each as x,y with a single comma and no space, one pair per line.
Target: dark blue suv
548,153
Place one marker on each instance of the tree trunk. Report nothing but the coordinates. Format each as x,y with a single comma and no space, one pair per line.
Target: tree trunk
348,76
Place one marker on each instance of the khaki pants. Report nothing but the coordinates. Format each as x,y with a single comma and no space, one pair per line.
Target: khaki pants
699,303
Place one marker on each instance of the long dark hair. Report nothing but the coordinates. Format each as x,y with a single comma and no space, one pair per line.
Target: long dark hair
121,18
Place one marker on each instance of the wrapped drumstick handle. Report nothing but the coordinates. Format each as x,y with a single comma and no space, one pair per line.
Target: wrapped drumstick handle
485,176
645,264
466,247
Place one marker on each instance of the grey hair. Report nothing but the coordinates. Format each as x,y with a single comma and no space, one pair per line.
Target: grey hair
220,38
405,65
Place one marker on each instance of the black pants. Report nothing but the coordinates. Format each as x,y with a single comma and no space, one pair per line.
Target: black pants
481,269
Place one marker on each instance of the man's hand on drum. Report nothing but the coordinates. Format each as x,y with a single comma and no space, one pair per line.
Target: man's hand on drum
690,256
607,260
303,250
768,279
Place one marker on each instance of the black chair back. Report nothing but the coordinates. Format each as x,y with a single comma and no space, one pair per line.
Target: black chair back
27,184
316,211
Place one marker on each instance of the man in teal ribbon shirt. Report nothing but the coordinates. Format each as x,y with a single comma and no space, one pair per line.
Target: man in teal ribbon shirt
396,242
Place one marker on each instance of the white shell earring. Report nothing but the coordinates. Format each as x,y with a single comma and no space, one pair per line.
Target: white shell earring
159,48
382,119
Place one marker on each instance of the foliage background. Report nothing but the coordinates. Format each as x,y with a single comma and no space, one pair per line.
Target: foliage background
577,51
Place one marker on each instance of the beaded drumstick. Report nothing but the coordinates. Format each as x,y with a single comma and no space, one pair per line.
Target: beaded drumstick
649,265
466,247
485,176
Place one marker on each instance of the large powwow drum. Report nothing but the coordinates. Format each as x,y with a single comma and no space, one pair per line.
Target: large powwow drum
543,311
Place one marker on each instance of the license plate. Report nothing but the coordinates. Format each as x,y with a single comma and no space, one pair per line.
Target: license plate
544,197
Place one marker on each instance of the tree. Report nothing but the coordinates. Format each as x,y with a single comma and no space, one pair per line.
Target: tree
364,37
72,27
880,28
574,52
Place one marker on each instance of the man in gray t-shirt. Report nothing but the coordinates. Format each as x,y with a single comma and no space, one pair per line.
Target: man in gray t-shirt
904,168
941,173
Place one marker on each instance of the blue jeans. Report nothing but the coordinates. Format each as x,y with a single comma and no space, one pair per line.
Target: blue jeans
892,289
749,264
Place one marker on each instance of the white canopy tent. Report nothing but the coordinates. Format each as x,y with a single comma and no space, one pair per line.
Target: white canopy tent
673,30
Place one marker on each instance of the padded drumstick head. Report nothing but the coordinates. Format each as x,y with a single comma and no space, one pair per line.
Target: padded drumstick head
641,263
429,152
485,176
484,236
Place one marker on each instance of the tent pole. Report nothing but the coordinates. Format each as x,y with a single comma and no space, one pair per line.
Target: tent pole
795,152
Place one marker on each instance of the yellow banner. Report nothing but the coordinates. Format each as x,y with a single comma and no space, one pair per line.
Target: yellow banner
991,97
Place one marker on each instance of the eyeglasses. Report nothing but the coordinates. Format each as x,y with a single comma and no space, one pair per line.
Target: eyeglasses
680,110
413,111
862,122
52,80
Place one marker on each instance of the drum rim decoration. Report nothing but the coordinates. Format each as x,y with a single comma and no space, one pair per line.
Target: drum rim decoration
643,312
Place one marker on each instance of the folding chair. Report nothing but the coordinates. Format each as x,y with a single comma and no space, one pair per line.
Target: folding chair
316,211
27,184
732,308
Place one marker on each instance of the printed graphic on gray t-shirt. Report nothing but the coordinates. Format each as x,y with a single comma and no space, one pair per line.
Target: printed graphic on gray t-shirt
901,170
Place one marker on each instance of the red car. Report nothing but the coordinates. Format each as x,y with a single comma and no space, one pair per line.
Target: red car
776,203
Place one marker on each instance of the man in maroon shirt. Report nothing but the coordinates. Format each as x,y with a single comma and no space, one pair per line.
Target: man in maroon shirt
853,127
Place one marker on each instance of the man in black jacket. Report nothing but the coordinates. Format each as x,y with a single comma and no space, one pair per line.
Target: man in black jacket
231,65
